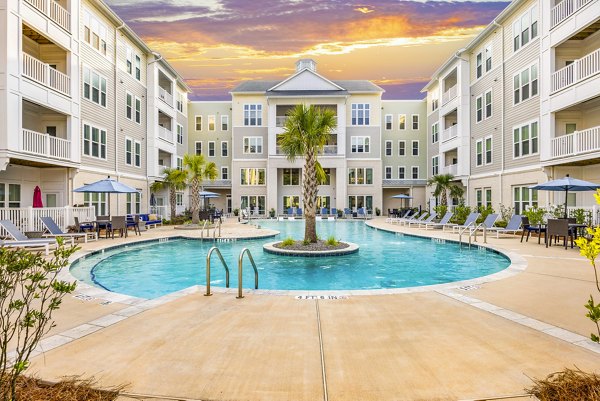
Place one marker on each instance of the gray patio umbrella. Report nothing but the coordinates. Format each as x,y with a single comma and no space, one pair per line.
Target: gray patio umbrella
207,194
567,184
108,186
402,196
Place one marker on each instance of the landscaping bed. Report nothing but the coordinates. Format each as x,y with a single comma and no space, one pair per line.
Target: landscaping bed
319,246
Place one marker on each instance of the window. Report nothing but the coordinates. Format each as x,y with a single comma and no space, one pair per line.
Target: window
488,197
98,201
525,84
94,141
211,149
211,123
129,106
224,123
479,197
415,148
327,172
435,131
94,87
179,164
253,202
253,144
525,140
138,68
435,165
224,173
134,203
488,104
94,32
180,102
360,144
401,121
290,201
388,172
479,65
253,114
401,148
198,123
179,198
525,28
570,128
488,58
129,62
361,114
388,122
388,148
415,173
435,103
198,148
224,149
479,152
488,150
291,176
401,173
360,176
14,195
180,134
415,121
128,151
360,201
524,198
253,176
479,108
138,110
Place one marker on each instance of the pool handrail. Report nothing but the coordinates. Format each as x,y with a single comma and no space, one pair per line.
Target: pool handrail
240,263
210,251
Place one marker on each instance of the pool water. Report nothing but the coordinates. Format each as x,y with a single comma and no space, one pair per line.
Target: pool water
385,260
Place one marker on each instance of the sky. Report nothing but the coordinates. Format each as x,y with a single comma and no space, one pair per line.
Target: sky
216,44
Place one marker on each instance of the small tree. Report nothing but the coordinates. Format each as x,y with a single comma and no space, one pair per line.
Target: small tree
197,169
175,180
30,292
443,184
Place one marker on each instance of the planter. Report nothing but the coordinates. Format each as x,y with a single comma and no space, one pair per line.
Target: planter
348,249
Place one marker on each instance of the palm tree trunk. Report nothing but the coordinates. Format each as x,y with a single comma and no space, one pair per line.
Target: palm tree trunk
444,200
195,188
173,201
310,188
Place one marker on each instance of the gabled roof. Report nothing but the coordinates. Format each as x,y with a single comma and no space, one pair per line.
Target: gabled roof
347,87
288,84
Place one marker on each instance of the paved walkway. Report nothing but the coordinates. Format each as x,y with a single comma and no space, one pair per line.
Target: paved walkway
481,341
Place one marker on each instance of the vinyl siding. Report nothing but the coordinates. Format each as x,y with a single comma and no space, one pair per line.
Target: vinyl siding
218,135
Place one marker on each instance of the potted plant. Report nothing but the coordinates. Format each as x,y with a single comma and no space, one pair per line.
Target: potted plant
236,212
272,213
377,211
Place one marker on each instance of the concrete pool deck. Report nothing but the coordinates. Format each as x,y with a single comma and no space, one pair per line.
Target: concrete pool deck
473,342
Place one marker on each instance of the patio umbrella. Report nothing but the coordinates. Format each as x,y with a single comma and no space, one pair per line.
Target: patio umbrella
402,196
108,186
207,194
37,197
567,184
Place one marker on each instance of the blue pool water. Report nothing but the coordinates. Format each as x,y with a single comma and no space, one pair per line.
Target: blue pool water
385,260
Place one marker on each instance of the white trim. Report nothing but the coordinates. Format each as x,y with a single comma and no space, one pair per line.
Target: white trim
274,88
418,172
412,147
399,147
196,122
385,172
228,152
385,123
214,149
391,148
252,137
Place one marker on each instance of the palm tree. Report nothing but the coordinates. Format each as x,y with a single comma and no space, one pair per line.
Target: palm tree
443,183
197,170
306,132
175,180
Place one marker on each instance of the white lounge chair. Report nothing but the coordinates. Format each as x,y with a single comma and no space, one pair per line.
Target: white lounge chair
427,220
20,240
513,226
55,231
470,222
488,223
445,220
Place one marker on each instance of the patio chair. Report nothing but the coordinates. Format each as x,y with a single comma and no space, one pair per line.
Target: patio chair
133,221
556,229
20,240
408,216
470,222
118,223
290,211
513,226
347,212
415,219
488,223
299,212
360,213
527,227
333,212
55,231
445,220
324,211
429,219
82,227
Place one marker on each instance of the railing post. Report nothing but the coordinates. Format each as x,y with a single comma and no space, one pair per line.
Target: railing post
575,142
67,219
30,226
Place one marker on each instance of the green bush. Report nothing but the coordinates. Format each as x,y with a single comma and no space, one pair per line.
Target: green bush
461,212
288,242
535,215
582,216
506,213
441,210
331,241
485,211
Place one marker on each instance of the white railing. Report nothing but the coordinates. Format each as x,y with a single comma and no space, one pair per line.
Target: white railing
165,133
28,218
449,94
579,70
54,11
327,150
280,121
451,169
45,145
165,96
584,141
450,133
565,9
45,75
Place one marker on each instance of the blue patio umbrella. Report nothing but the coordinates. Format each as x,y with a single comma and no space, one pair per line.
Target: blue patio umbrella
402,196
207,194
567,184
109,186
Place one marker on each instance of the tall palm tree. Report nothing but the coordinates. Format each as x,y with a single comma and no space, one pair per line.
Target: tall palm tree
175,180
306,132
444,184
197,170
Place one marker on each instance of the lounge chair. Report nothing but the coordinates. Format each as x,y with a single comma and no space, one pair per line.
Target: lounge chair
392,218
324,211
445,220
333,212
407,217
55,231
299,212
429,219
347,212
513,226
360,213
415,219
290,211
470,222
488,223
20,240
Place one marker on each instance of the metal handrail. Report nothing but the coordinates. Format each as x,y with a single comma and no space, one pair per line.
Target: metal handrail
484,228
460,233
210,251
240,262
217,225
202,231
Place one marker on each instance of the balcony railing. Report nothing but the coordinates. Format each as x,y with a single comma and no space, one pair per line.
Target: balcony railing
576,143
579,70
449,94
166,134
54,11
45,145
165,96
28,218
450,133
565,9
450,169
280,121
44,74
327,150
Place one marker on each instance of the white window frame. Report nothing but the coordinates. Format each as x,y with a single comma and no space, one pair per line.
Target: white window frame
401,121
479,65
128,151
360,144
129,60
518,85
89,82
435,133
138,67
179,129
138,110
360,114
252,142
479,152
91,142
532,197
487,107
212,119
129,105
196,147
389,122
412,147
435,165
526,22
363,172
253,115
291,174
225,122
414,122
224,169
214,150
387,170
518,143
196,125
130,203
488,61
479,109
93,26
226,153
179,163
137,154
402,172
246,171
179,198
402,147
488,144
412,172
389,148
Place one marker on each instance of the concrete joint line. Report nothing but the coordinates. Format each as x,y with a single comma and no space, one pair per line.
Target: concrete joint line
323,373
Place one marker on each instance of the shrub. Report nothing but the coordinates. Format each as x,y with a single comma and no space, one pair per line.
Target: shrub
331,241
582,216
557,211
567,385
236,212
535,215
272,212
485,211
441,210
461,212
377,211
288,242
506,212
306,242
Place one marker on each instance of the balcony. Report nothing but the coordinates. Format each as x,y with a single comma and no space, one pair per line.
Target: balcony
450,94
565,9
578,142
451,169
54,11
330,150
450,133
578,71
280,121
45,145
165,96
42,73
165,134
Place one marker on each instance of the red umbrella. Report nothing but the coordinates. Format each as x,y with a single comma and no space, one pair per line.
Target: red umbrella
37,197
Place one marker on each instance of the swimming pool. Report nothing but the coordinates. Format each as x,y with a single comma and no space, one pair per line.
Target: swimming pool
385,260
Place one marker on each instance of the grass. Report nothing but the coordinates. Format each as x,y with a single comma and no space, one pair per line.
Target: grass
331,241
287,242
568,385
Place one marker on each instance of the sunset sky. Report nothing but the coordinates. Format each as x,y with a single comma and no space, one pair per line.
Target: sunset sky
215,44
